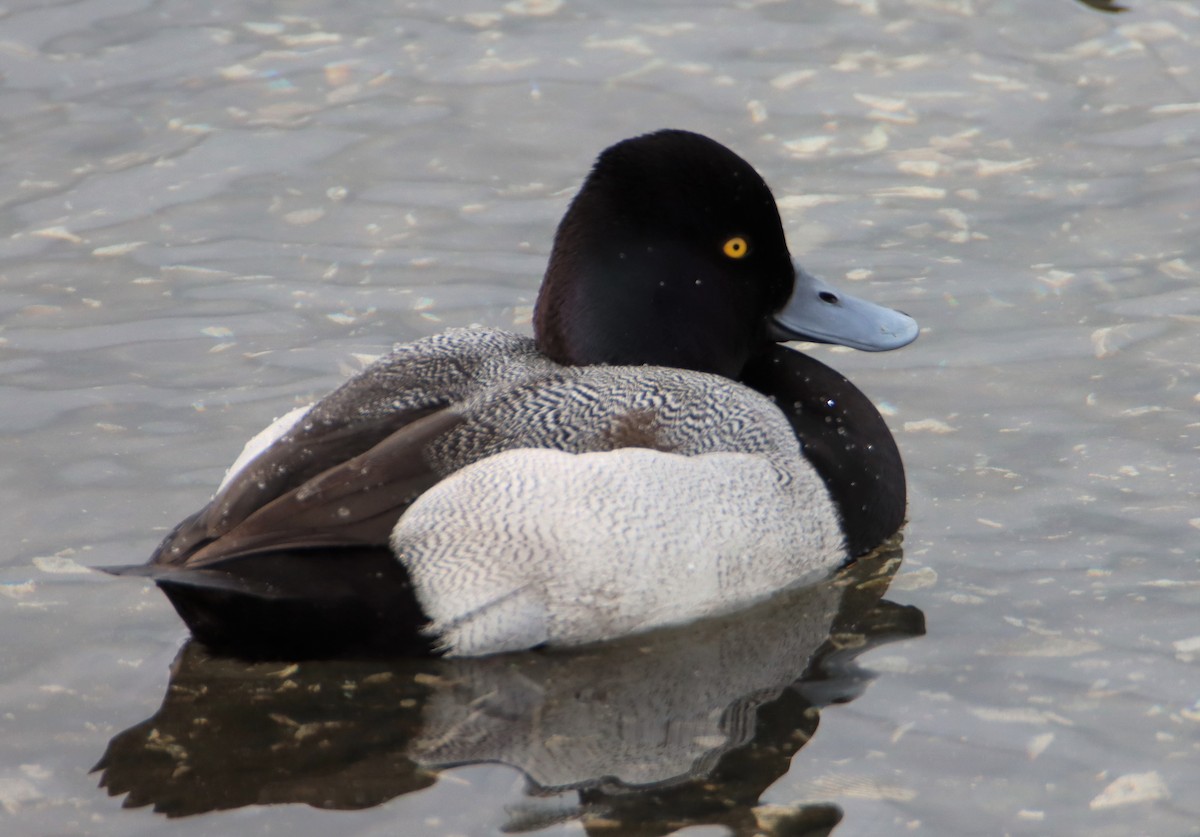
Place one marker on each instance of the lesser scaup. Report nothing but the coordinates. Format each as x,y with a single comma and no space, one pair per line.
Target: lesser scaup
651,456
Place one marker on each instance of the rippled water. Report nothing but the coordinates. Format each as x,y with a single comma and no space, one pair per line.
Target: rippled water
212,211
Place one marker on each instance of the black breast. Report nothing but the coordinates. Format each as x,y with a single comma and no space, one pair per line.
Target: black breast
843,436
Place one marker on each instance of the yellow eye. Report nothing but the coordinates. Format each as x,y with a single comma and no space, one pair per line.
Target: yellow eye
736,247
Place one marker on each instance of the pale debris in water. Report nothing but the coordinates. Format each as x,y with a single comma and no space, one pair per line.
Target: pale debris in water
1018,715
480,20
217,331
924,193
876,140
892,664
881,103
533,187
1173,582
300,217
666,30
1130,789
901,730
795,202
1109,340
28,183
338,74
921,168
631,45
1143,410
309,39
852,62
861,787
867,7
929,425
1177,269
265,28
59,233
1056,279
237,72
903,118
17,590
1045,647
955,217
1177,107
990,168
1038,744
493,63
1005,83
1150,31
807,146
1187,646
56,689
183,270
915,580
533,8
788,80
15,792
963,8
118,249
59,565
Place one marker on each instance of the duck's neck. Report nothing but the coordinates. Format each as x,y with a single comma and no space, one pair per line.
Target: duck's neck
843,436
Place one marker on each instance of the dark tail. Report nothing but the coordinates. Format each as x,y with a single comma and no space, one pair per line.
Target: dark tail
297,604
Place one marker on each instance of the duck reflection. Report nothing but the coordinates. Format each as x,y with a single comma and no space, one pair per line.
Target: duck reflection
653,732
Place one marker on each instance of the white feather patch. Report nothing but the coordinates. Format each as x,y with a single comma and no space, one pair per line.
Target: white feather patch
538,546
263,440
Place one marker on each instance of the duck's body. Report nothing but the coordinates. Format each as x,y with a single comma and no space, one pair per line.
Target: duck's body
480,491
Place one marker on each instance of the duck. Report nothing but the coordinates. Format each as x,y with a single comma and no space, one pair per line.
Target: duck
653,455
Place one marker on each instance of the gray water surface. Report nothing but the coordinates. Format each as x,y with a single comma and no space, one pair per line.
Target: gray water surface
211,213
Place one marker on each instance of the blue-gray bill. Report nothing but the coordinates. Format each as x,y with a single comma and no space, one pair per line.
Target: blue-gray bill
819,313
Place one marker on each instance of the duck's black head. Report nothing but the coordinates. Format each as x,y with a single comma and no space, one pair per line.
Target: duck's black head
672,254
